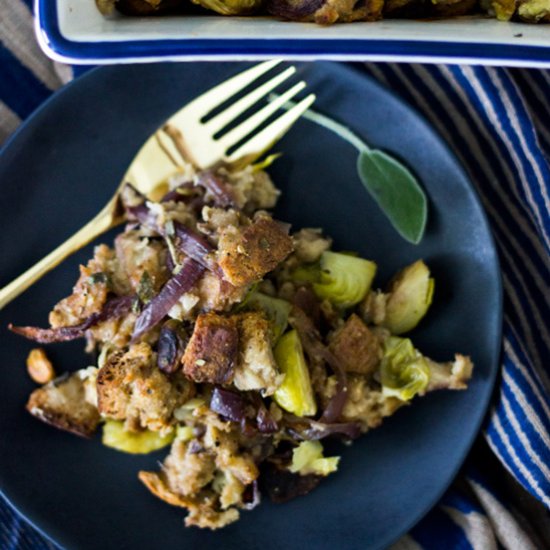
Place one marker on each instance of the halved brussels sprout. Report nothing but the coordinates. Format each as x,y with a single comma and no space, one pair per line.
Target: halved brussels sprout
230,7
295,394
410,296
308,458
275,310
345,280
403,371
116,437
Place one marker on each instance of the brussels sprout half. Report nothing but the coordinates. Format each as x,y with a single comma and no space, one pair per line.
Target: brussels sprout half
410,296
345,279
295,394
116,437
403,370
308,458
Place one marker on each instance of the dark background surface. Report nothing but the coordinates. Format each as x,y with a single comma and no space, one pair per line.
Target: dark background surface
72,155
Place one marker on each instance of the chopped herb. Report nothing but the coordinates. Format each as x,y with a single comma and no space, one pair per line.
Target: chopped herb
145,289
264,243
200,362
98,277
136,307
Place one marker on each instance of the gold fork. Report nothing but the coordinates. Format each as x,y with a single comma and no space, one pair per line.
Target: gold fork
186,138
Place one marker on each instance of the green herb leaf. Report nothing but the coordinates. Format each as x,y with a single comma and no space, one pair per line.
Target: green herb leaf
396,191
145,289
393,187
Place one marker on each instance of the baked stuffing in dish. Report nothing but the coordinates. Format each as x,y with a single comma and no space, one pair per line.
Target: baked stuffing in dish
327,12
239,344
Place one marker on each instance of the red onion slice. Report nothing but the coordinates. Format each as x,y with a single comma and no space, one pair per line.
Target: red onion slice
228,404
219,189
170,293
113,309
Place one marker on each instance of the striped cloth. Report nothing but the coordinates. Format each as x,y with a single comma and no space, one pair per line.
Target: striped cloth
497,122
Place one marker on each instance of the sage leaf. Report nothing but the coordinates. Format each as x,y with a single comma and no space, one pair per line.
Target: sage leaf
390,183
396,192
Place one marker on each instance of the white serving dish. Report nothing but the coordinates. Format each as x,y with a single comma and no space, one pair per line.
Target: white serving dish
74,31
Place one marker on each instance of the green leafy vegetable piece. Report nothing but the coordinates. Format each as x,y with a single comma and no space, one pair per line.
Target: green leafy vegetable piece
345,280
410,296
116,437
295,393
403,371
308,458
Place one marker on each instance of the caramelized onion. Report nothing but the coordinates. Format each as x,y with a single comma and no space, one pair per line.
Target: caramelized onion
168,296
113,309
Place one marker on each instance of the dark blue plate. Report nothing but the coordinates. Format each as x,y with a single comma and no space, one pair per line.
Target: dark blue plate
62,166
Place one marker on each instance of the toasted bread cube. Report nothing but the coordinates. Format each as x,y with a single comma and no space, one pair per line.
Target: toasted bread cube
246,256
212,351
356,346
130,387
62,403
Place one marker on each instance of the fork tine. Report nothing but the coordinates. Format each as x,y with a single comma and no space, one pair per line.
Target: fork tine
262,141
251,123
203,104
232,112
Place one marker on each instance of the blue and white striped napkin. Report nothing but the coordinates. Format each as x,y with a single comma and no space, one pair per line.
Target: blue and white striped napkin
497,121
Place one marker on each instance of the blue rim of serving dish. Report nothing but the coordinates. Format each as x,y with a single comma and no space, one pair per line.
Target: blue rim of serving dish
62,49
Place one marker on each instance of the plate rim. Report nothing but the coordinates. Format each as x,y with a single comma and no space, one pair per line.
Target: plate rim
18,507
64,50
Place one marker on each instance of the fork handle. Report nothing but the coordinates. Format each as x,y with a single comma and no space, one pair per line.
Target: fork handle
95,227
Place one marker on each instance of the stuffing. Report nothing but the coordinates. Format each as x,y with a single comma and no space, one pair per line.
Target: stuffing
373,308
211,354
89,294
252,189
246,256
143,261
208,475
215,337
309,244
357,347
62,404
216,294
256,368
367,405
452,375
130,387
